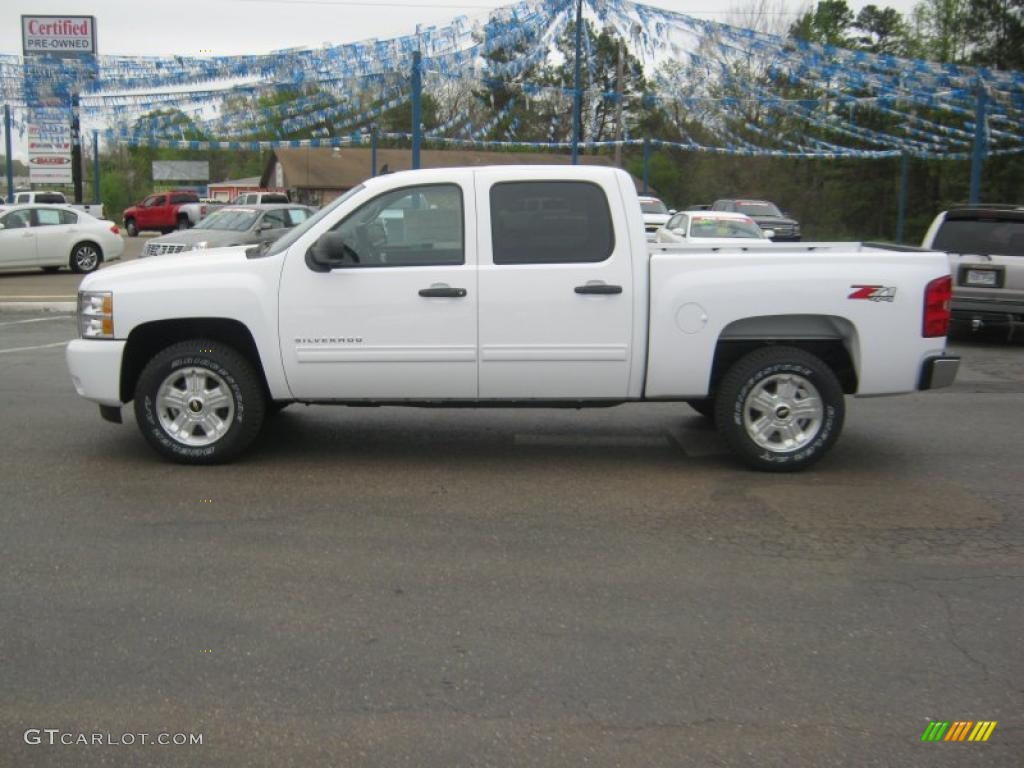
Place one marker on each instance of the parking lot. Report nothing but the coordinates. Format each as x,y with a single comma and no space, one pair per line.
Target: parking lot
413,587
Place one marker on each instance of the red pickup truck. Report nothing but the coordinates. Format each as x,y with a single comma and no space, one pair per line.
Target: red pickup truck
165,211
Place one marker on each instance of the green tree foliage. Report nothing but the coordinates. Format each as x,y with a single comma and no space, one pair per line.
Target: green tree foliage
996,31
827,23
882,30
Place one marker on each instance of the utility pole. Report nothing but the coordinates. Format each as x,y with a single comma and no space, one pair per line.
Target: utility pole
901,209
647,165
417,120
95,166
619,87
10,156
373,150
577,106
76,149
978,151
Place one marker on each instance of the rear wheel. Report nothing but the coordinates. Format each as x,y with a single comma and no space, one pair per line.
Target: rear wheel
85,257
199,402
780,409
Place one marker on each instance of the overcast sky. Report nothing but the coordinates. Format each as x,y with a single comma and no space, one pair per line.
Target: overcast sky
220,27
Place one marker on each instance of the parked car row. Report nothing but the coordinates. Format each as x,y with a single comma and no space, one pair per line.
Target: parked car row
662,224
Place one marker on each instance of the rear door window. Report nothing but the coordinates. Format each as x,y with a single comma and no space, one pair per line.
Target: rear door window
981,236
276,219
550,222
47,217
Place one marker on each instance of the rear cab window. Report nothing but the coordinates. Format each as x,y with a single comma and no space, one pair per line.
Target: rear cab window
981,235
550,222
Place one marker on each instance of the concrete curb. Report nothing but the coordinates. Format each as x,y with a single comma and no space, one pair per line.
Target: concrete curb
63,307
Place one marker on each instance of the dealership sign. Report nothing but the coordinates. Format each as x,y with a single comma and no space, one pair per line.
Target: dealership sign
49,152
63,36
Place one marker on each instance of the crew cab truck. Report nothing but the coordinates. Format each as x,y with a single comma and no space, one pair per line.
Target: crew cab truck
165,212
456,287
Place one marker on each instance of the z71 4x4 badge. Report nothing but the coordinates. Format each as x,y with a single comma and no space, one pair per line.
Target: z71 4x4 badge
873,292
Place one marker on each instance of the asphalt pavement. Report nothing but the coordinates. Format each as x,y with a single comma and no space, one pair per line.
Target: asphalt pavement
402,587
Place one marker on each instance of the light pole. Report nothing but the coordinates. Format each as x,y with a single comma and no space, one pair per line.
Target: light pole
577,106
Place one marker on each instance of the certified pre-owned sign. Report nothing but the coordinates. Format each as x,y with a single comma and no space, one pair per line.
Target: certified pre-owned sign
59,35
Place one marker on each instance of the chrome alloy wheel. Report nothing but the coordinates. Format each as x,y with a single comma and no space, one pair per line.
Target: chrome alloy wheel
87,258
783,412
195,406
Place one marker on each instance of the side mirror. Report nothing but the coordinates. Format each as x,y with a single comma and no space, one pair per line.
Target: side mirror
265,225
2,227
329,252
672,212
769,233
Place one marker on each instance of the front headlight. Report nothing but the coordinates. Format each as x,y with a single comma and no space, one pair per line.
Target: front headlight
96,314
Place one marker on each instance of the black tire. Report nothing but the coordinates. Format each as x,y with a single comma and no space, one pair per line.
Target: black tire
274,407
183,223
85,257
785,367
214,360
130,228
705,407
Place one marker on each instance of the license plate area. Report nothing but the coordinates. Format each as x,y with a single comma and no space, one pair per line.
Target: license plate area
981,276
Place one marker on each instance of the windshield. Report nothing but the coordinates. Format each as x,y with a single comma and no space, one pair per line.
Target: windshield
757,209
653,206
731,228
296,232
231,221
1003,238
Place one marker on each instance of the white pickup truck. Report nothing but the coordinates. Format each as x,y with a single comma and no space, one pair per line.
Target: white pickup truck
509,286
57,198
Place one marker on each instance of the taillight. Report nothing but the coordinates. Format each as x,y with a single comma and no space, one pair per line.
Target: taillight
937,295
114,229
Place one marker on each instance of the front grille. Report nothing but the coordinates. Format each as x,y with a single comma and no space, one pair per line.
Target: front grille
159,249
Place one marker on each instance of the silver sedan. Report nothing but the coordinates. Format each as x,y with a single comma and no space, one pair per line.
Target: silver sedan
257,225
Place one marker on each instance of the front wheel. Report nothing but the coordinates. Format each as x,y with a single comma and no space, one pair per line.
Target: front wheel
780,409
199,402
